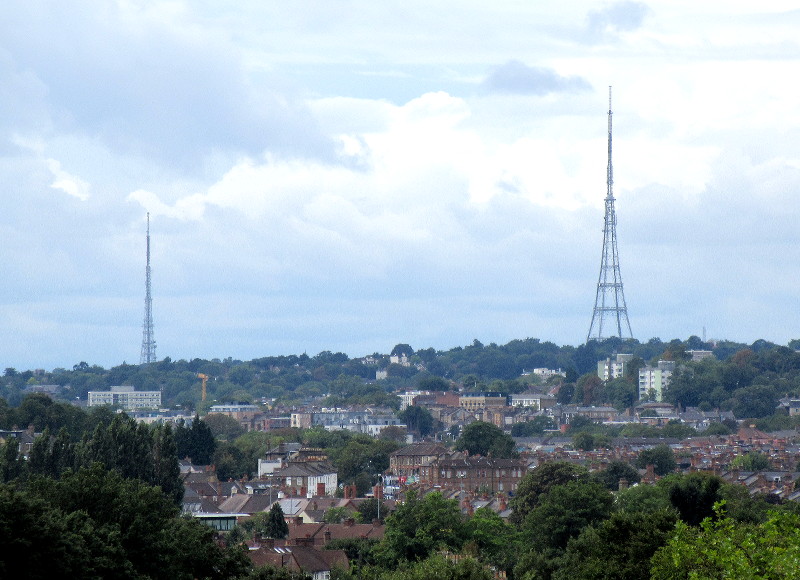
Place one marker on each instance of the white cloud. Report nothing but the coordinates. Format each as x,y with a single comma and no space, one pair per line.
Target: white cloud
67,183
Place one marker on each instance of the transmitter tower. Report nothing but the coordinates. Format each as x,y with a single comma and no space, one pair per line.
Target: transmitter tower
148,341
610,315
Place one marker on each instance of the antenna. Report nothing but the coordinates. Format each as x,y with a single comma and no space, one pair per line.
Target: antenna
148,341
609,301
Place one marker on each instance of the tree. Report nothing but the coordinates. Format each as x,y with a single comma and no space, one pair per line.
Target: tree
481,438
372,510
751,461
721,548
276,526
694,496
223,426
197,442
336,515
619,547
419,527
418,419
541,480
402,349
491,539
614,472
565,510
661,457
532,428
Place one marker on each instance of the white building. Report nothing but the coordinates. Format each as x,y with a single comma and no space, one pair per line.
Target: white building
653,381
613,368
535,401
126,397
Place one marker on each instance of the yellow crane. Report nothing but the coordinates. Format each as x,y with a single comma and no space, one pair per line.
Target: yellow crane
204,379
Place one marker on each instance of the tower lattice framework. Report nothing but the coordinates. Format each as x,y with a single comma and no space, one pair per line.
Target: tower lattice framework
610,316
148,341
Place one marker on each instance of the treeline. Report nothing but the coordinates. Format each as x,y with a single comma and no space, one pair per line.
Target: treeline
744,378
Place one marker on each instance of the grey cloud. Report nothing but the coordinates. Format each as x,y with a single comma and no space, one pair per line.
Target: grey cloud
615,18
155,90
515,77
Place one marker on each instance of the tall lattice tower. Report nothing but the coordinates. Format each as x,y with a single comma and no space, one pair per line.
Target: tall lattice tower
148,341
610,316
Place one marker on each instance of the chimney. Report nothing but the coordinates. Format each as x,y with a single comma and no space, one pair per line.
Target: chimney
623,484
298,520
327,536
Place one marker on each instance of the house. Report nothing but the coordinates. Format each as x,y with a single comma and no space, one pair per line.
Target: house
406,462
307,559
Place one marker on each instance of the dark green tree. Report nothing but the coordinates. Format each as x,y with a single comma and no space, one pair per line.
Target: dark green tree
481,438
619,547
419,527
694,496
276,526
565,510
418,419
661,457
538,482
614,472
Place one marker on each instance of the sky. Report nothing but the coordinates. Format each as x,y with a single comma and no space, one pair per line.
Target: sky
351,175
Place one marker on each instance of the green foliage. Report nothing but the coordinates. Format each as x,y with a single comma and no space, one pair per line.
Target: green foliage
589,441
372,510
721,548
532,428
418,419
717,429
619,547
538,482
94,523
661,457
223,426
196,442
441,568
643,499
419,527
751,461
614,472
491,539
362,456
481,438
565,510
694,496
336,515
276,526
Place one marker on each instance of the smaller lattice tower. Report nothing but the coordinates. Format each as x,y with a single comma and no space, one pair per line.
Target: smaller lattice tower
148,341
610,316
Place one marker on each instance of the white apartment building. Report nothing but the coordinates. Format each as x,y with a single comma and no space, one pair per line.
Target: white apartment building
613,368
653,381
126,397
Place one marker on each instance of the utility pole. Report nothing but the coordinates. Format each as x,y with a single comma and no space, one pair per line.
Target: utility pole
610,315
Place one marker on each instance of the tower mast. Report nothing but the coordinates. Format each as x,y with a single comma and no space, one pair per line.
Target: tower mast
609,304
148,341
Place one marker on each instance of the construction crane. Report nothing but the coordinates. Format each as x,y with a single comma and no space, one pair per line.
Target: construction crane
204,379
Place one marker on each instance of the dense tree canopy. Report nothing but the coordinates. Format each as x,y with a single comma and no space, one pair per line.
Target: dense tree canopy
481,438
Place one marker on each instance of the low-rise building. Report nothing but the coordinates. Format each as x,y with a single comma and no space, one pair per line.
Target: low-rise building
475,401
126,397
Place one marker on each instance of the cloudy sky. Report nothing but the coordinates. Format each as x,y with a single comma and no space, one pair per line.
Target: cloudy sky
350,175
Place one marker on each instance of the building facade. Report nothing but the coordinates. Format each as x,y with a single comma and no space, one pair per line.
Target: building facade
653,381
126,398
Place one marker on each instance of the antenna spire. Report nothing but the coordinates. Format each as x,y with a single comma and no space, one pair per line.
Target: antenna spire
609,302
148,341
